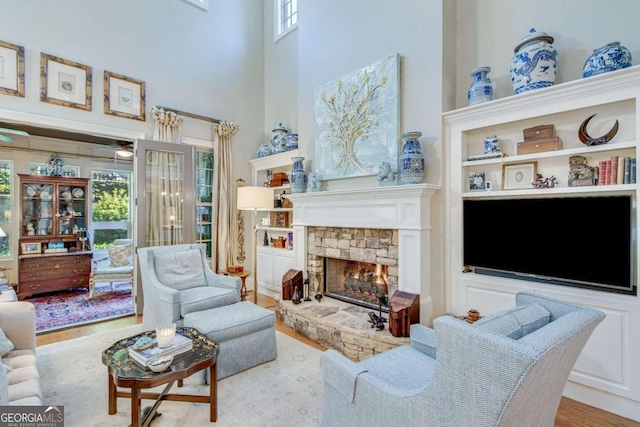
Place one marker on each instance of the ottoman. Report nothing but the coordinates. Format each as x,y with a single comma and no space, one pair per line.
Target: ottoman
246,334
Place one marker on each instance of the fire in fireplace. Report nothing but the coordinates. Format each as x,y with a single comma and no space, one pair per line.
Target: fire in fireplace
360,283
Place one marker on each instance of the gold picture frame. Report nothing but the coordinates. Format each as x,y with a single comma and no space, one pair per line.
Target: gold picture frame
11,69
517,176
31,248
124,96
64,82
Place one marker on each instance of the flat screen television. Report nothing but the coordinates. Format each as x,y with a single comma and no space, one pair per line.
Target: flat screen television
586,242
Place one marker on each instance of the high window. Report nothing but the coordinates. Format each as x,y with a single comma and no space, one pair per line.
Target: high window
286,16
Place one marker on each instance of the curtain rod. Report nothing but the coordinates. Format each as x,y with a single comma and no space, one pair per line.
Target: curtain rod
194,116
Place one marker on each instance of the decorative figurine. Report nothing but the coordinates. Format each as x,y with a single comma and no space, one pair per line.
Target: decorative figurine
385,172
586,139
375,321
313,183
544,182
296,296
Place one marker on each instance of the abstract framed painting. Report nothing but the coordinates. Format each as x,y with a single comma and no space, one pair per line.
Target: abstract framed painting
11,69
64,82
356,121
124,96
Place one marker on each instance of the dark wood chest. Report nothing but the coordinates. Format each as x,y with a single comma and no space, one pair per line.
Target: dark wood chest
404,310
291,281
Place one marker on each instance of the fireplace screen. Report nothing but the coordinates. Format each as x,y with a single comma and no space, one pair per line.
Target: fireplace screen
360,283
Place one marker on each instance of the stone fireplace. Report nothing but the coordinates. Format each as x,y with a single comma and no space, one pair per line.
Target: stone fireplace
387,226
356,265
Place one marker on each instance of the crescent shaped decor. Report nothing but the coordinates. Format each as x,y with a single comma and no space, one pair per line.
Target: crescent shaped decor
586,139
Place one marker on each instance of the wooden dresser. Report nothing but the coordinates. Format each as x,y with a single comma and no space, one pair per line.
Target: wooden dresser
53,272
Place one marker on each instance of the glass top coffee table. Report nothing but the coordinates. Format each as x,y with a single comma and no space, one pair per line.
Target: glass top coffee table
127,373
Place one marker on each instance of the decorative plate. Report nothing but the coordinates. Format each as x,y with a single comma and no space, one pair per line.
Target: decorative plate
30,191
77,193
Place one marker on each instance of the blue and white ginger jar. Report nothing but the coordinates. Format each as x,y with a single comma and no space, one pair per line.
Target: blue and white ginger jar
491,145
297,176
412,159
278,142
605,58
291,141
55,166
534,64
264,150
481,89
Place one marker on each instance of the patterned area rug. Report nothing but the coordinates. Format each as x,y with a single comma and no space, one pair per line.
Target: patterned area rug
64,309
287,391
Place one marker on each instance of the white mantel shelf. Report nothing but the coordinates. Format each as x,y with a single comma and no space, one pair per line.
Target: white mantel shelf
405,208
392,207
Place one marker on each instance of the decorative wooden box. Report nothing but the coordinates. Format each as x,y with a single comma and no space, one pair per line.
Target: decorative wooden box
539,132
280,243
404,310
291,280
539,145
234,268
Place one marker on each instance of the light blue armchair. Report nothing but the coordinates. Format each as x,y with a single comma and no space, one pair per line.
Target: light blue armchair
507,369
176,280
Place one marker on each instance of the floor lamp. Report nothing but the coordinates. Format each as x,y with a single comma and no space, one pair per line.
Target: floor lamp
253,199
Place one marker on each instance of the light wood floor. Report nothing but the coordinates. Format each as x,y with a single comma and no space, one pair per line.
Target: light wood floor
570,413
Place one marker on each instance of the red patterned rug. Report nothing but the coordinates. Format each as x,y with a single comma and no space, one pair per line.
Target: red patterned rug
60,310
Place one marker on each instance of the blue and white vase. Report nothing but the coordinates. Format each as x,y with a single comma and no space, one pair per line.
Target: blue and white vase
605,58
491,145
55,166
481,89
264,150
291,141
411,159
297,176
278,143
534,64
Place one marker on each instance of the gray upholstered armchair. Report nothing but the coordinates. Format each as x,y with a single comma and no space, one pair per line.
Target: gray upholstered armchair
507,369
176,280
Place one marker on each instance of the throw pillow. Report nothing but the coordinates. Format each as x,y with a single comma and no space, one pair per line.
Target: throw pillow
180,270
120,256
5,344
516,322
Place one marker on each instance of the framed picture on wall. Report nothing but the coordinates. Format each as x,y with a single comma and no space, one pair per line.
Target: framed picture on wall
11,69
64,82
124,96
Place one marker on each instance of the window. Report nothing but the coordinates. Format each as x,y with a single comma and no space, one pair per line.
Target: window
286,17
110,206
6,186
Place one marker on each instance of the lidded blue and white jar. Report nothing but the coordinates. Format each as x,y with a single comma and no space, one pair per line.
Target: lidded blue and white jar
277,139
297,176
481,89
292,141
605,58
491,145
411,159
534,64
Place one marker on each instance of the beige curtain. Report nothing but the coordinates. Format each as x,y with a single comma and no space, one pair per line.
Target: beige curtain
164,205
225,215
167,127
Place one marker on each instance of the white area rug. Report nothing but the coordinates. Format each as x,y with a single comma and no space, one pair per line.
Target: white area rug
285,392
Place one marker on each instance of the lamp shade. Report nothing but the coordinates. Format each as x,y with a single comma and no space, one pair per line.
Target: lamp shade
250,198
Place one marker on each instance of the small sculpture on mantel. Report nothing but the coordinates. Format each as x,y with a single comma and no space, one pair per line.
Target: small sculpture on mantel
385,173
542,182
313,183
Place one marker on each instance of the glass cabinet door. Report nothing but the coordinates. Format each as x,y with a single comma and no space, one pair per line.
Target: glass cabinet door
71,209
38,205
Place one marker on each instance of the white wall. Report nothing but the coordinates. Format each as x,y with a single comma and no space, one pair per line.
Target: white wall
488,31
208,63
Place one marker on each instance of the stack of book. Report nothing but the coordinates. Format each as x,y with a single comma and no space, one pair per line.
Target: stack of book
181,344
613,171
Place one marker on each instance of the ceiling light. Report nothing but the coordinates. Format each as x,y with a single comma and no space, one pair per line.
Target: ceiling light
124,151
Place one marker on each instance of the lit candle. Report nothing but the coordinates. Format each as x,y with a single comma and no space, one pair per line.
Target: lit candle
165,335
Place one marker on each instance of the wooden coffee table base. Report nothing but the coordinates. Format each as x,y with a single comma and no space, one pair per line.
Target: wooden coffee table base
136,395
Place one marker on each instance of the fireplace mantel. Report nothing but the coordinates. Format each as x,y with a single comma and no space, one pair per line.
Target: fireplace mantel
405,208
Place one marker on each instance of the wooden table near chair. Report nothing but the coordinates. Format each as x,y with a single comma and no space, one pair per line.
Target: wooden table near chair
232,270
